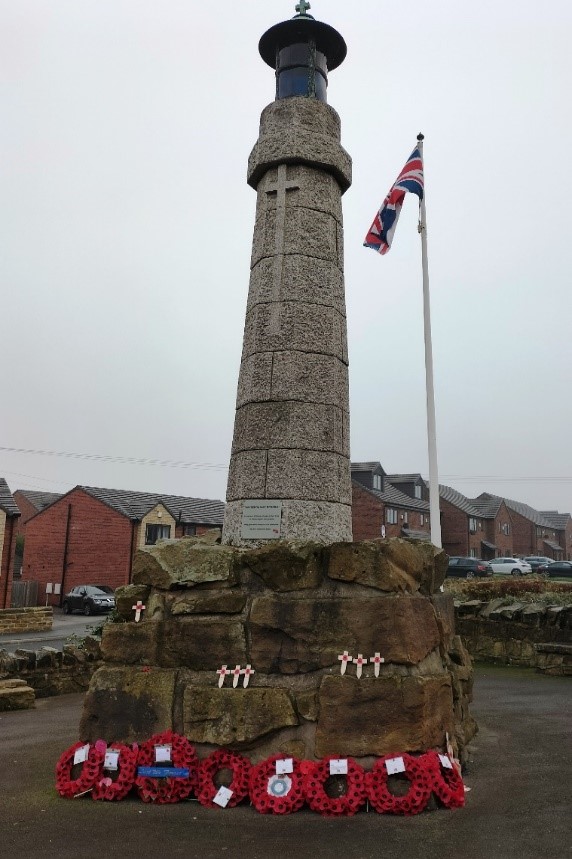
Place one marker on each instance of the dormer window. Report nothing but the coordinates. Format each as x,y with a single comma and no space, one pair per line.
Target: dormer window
377,482
417,491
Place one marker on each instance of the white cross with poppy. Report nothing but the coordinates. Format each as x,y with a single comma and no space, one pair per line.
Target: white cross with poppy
222,672
377,659
236,672
248,672
138,608
344,658
359,661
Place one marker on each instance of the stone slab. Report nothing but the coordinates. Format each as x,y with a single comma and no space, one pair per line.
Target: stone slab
301,520
302,425
286,566
235,717
379,717
184,563
128,704
208,602
203,644
130,643
388,565
292,635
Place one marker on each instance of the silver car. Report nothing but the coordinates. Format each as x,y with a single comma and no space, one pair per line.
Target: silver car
510,566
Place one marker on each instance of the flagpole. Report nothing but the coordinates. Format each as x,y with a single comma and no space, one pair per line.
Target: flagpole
431,425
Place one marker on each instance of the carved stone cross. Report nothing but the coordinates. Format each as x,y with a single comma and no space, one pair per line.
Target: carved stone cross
302,7
279,188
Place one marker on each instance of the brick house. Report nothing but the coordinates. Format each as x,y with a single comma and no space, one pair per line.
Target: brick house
475,527
9,515
380,509
31,502
90,535
533,533
563,526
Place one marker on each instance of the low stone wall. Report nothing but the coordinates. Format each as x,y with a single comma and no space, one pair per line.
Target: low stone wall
523,634
37,619
53,672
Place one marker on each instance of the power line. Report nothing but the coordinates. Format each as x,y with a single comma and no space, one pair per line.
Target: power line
125,460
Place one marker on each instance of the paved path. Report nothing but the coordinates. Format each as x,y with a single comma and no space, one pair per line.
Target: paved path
518,807
63,626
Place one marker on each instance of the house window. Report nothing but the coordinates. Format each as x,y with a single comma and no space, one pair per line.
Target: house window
377,482
506,528
472,553
391,516
189,530
473,528
156,532
404,517
418,492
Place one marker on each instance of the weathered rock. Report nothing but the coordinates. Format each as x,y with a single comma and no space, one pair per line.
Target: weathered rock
469,608
47,657
73,655
208,602
378,717
512,611
15,694
127,596
308,705
389,565
28,655
91,646
128,704
184,563
445,613
131,642
291,635
235,717
202,644
287,566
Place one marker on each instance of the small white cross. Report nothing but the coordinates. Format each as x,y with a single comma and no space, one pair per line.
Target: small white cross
138,608
359,661
344,659
248,672
377,659
222,672
236,672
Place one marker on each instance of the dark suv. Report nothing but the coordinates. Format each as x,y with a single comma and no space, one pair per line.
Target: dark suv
469,568
90,599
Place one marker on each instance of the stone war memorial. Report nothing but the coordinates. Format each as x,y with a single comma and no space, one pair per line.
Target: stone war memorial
285,637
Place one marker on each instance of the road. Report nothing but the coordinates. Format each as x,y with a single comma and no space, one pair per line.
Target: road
63,626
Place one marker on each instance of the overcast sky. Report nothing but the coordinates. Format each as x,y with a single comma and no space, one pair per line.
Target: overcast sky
126,228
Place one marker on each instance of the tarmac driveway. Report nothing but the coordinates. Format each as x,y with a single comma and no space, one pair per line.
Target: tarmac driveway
519,804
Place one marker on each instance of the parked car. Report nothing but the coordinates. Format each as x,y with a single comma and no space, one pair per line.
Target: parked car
90,599
468,568
510,566
556,569
536,561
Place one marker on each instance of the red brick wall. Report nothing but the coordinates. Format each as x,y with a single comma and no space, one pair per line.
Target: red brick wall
367,514
7,561
503,542
201,529
98,551
566,541
26,509
524,536
454,529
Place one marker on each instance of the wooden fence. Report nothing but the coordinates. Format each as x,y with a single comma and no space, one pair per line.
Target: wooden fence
24,594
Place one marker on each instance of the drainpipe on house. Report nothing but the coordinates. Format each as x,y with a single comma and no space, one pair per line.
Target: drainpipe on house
132,549
65,560
12,522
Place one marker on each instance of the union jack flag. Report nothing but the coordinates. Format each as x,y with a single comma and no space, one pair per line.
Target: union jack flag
381,232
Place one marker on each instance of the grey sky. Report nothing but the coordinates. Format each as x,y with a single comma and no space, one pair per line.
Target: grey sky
126,225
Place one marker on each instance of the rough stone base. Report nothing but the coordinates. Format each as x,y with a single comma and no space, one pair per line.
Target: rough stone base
307,519
16,695
288,610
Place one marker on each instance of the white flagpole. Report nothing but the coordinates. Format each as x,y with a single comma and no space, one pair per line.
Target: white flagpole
431,428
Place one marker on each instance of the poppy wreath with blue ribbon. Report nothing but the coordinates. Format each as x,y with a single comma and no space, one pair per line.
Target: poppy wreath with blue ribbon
171,788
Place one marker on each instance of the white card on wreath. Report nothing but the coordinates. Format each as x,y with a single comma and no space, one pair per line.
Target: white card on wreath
222,796
339,766
163,754
395,765
111,761
285,766
81,754
445,762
